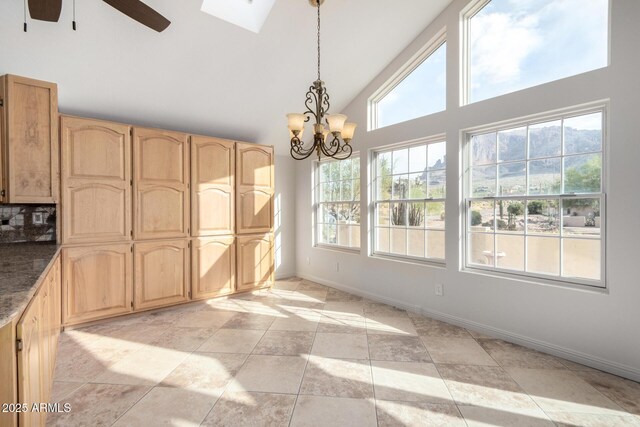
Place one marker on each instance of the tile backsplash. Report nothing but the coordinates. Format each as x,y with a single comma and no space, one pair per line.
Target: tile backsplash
27,223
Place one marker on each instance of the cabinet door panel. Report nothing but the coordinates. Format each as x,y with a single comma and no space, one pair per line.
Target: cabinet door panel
96,181
212,181
98,282
213,267
29,363
255,262
32,140
161,184
162,273
255,188
46,352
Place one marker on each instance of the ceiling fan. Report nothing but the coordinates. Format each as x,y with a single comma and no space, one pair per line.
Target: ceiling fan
49,10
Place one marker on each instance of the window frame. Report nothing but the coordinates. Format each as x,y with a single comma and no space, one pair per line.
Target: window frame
409,67
317,203
467,198
373,213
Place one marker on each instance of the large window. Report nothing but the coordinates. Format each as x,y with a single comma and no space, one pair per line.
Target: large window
338,202
535,198
419,89
513,45
409,202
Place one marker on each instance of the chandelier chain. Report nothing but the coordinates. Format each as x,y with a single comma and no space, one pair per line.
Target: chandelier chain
318,3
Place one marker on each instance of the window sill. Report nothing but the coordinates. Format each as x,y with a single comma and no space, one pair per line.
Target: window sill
338,248
590,287
409,260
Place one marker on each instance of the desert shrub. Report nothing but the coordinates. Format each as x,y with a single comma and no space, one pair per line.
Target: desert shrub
476,218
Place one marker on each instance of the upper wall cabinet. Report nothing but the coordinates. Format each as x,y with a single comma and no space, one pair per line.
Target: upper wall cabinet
29,141
212,194
161,196
96,181
254,188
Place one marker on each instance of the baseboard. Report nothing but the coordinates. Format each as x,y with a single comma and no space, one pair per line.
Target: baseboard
555,350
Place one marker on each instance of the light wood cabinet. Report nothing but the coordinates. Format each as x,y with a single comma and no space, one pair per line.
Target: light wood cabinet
213,267
97,282
161,195
29,141
254,188
255,262
37,333
96,181
162,273
212,186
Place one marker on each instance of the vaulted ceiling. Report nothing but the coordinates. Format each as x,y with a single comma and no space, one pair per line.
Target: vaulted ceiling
203,74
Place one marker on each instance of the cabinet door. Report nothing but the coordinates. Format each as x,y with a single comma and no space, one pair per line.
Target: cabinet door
255,262
160,162
254,187
96,181
162,273
212,195
97,282
30,141
55,312
29,364
213,267
44,299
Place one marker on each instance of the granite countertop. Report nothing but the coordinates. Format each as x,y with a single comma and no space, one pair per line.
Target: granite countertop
21,269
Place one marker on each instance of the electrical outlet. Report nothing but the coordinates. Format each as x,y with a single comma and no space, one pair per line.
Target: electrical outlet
337,266
439,288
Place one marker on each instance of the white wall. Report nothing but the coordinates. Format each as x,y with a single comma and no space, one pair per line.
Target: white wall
285,218
596,328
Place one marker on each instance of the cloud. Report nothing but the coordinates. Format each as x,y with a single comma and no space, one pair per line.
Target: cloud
500,43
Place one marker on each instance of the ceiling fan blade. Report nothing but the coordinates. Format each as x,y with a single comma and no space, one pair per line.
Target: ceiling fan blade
142,13
45,10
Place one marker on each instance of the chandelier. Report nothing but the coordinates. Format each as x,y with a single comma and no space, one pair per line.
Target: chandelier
333,142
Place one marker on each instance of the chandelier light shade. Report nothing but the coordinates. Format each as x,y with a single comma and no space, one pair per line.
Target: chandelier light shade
332,134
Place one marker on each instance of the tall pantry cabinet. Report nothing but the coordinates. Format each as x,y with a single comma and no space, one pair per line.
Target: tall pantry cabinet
153,218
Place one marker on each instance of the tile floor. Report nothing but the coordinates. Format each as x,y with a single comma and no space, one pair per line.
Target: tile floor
302,354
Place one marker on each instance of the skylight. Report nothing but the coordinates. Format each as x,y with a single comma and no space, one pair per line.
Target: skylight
248,14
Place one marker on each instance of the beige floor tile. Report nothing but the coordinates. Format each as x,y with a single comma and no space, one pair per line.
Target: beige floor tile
286,285
320,411
232,341
510,355
384,325
341,346
260,322
97,405
428,327
342,325
379,309
562,391
625,393
458,351
61,389
397,348
80,365
208,373
337,378
393,414
409,382
212,319
168,406
305,323
339,309
567,419
485,386
306,285
573,366
270,374
478,416
479,335
148,366
242,409
185,339
285,343
337,295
